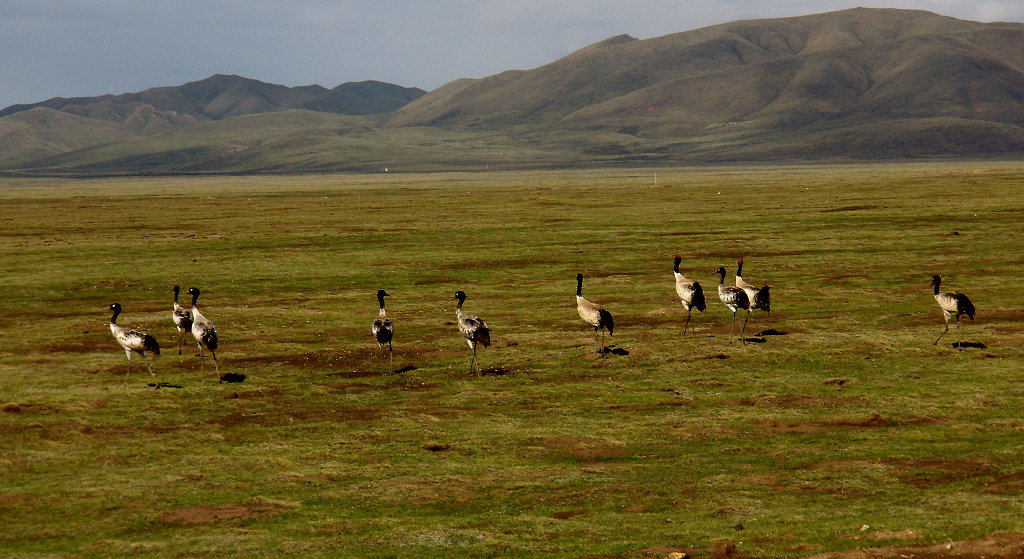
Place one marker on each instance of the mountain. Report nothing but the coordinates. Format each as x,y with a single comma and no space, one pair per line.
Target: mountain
221,96
859,82
853,84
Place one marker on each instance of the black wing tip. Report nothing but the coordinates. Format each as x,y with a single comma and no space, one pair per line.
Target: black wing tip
607,321
483,335
699,302
150,344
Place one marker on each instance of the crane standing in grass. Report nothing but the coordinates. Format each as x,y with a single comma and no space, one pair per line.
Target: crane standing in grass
203,331
953,305
759,297
182,319
593,314
690,292
735,299
133,341
383,330
474,329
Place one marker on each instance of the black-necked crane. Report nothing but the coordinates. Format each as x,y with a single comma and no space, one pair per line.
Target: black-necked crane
953,305
593,314
383,330
182,319
203,331
474,329
133,341
735,299
690,292
760,297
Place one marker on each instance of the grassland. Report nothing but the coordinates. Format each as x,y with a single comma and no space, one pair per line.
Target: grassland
849,431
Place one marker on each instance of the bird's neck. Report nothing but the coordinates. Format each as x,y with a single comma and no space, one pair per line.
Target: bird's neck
721,280
936,284
675,266
579,288
380,299
113,318
739,268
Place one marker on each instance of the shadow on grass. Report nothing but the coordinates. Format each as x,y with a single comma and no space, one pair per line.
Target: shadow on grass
614,351
164,385
232,377
974,345
771,332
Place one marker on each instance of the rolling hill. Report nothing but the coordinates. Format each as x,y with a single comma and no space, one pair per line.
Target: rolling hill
859,83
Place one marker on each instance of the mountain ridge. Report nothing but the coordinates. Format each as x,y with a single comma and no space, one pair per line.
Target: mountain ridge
863,83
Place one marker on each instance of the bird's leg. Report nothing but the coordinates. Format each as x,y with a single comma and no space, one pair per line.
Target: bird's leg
959,344
214,354
942,334
125,383
744,328
732,326
472,363
685,326
181,342
391,357
146,359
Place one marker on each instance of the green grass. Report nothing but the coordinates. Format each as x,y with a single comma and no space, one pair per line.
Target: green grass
852,418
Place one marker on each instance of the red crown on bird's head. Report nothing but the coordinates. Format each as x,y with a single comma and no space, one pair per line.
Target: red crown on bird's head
677,256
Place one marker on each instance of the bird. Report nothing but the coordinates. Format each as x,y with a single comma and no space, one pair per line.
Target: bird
953,305
735,299
593,314
383,329
760,298
203,331
182,319
133,341
474,329
690,292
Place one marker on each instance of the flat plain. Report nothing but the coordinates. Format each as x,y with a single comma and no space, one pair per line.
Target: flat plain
841,428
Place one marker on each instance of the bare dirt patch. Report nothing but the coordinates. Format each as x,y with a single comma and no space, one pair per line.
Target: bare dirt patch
217,513
999,546
583,449
873,421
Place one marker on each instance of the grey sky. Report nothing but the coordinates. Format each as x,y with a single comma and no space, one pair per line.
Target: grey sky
69,48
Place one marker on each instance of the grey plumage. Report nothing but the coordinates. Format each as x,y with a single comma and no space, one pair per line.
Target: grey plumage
594,315
760,297
383,329
734,299
133,341
203,330
953,305
182,318
473,329
690,292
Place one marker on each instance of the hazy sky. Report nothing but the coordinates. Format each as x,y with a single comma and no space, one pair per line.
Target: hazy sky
67,48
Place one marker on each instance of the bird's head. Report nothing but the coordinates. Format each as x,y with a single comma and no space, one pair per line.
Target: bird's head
381,293
720,271
193,292
176,289
116,307
936,279
460,296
